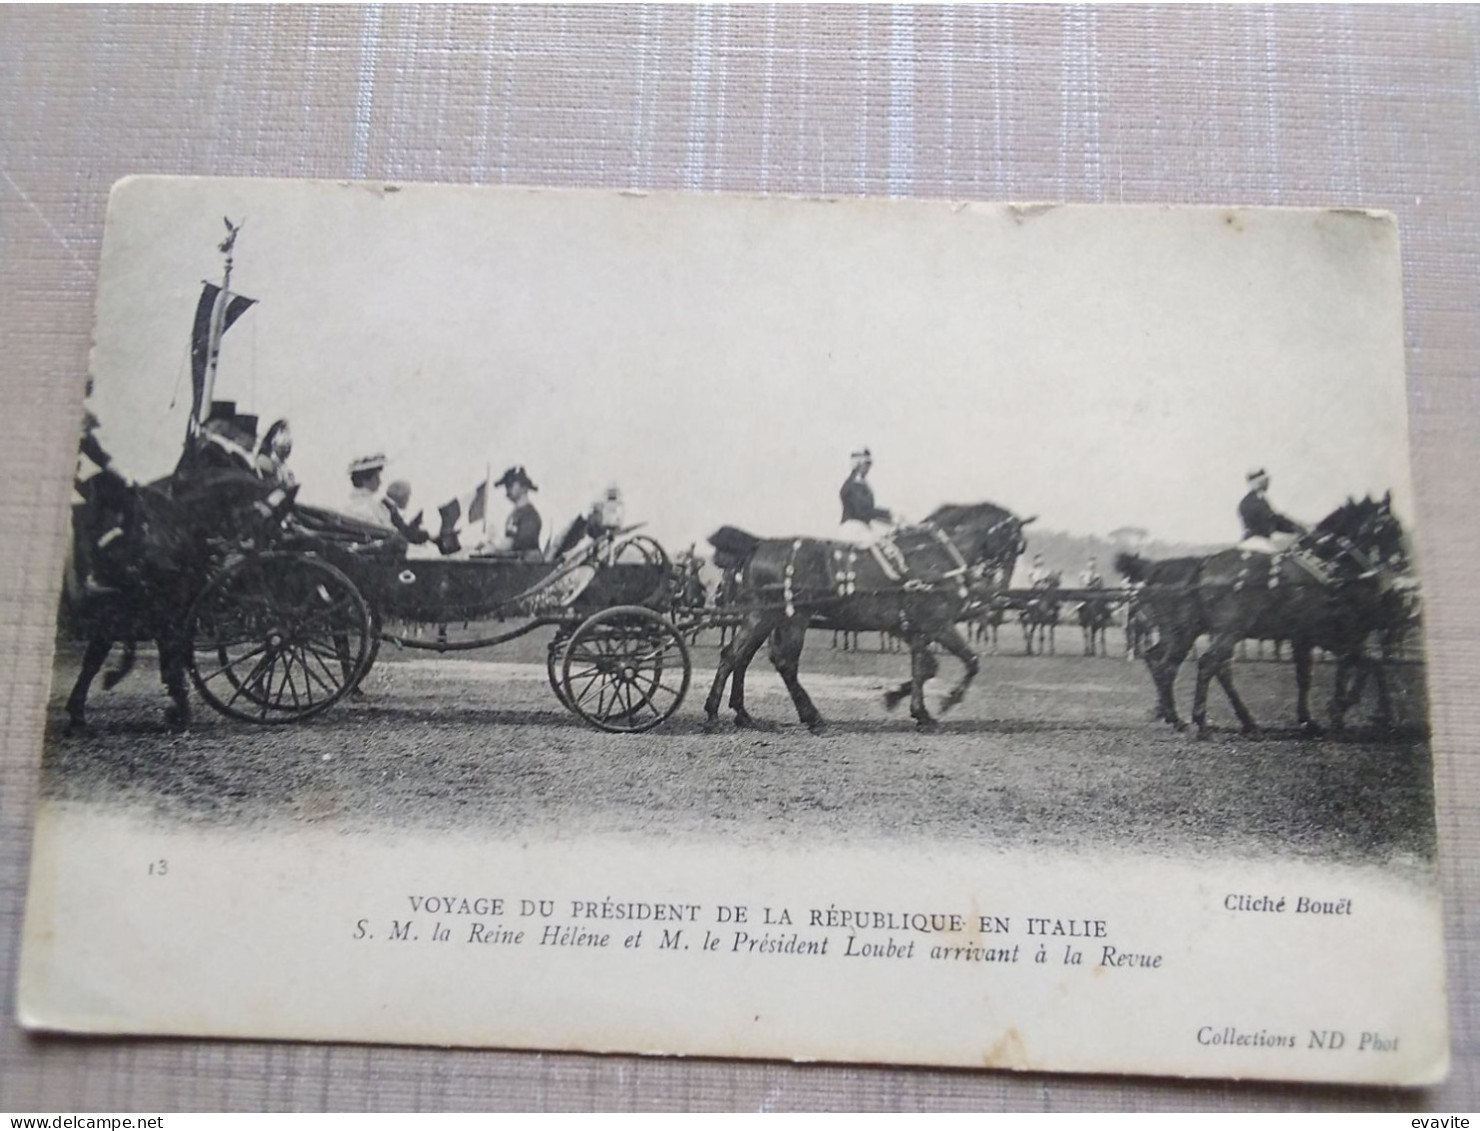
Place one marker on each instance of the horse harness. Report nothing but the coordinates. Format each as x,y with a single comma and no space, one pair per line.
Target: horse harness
893,563
1320,569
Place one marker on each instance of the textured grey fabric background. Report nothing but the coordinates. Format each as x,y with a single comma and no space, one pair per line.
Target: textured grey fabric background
1377,107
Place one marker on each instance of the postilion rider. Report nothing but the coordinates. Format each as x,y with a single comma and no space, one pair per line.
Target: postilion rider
1263,524
866,524
1261,521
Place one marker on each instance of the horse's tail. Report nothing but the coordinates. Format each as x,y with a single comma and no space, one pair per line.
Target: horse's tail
113,678
733,547
1133,567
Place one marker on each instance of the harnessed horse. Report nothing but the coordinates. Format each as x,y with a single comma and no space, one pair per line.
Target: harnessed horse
1235,594
169,534
790,584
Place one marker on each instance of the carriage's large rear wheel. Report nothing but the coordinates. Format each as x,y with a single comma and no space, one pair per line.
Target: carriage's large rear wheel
278,637
626,669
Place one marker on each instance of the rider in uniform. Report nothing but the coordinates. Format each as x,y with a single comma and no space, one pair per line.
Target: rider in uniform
1090,578
859,511
865,524
1260,520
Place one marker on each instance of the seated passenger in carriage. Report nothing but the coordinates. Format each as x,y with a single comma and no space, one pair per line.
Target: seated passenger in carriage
521,535
365,503
607,514
397,500
217,472
226,441
271,462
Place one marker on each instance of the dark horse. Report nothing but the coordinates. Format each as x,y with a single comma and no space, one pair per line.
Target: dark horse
786,585
1040,615
1236,594
1095,615
142,554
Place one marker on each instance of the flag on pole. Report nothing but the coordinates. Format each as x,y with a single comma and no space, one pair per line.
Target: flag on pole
463,512
478,504
232,307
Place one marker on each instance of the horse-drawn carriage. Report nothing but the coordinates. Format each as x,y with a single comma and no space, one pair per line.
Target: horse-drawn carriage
277,612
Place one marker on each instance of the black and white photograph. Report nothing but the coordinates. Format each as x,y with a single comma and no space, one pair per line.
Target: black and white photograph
953,633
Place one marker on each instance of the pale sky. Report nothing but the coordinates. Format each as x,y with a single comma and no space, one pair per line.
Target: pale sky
720,357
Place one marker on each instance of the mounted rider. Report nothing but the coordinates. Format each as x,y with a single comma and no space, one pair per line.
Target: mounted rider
1262,523
866,524
1260,520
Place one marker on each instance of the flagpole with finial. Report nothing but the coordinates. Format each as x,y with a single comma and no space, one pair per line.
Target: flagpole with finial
218,315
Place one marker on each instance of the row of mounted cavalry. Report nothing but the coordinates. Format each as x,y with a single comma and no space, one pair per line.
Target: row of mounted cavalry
276,611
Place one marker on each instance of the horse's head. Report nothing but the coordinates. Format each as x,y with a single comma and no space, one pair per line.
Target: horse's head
1364,533
989,537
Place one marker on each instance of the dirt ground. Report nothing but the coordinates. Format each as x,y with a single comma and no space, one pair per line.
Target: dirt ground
1059,752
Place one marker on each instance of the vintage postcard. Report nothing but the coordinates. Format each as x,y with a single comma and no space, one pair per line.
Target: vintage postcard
909,632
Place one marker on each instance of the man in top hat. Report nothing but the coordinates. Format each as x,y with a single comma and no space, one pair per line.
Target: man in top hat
522,527
227,441
364,494
1260,520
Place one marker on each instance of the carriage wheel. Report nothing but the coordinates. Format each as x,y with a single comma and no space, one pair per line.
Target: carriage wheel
625,670
553,666
278,637
377,628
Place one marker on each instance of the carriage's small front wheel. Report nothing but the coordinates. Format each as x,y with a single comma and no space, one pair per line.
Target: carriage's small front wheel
278,637
626,670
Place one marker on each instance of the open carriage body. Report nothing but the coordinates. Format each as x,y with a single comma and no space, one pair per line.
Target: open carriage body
280,635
